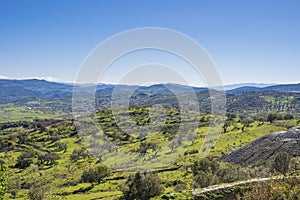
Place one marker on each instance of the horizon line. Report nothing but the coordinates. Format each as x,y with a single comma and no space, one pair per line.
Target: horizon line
55,80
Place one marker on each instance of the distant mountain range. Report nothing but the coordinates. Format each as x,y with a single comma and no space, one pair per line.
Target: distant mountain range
239,85
12,89
277,88
245,100
16,89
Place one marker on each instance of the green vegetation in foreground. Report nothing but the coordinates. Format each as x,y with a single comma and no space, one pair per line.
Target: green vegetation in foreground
47,158
3,179
281,188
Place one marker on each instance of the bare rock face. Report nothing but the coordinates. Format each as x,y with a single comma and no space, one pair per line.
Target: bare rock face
264,149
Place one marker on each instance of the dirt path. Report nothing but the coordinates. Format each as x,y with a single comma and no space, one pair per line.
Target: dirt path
226,186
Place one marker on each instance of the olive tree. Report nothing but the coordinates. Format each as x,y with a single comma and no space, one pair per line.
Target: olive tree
95,174
3,180
25,160
142,186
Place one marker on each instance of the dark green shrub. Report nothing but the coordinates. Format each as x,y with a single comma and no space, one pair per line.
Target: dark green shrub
37,192
232,174
203,179
95,174
48,158
282,162
142,186
205,165
3,180
25,160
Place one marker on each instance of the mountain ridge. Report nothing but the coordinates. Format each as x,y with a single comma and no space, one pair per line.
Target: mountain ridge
43,88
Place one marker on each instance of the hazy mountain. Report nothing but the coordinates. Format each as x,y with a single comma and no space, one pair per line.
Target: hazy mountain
277,88
41,87
18,89
243,90
283,88
16,92
239,85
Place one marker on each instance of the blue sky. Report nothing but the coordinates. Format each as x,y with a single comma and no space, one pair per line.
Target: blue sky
250,41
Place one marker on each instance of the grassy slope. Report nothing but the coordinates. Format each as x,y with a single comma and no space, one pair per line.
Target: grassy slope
63,179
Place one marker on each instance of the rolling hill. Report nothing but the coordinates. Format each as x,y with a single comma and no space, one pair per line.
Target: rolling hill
245,100
42,88
276,88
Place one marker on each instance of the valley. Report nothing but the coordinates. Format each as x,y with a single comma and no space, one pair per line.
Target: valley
47,156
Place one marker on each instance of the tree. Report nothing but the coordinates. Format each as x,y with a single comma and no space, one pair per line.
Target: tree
78,154
142,186
204,172
95,174
37,192
61,146
145,146
48,158
25,160
231,174
288,116
246,122
203,179
3,180
173,144
205,165
227,123
22,138
271,117
231,116
282,162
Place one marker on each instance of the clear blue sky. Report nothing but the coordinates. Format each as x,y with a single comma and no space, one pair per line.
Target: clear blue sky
250,41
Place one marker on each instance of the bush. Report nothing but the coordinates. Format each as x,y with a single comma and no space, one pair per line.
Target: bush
275,116
79,154
142,187
277,189
3,180
145,146
204,179
37,192
95,174
193,151
232,174
282,162
48,158
25,160
22,138
271,117
180,187
288,117
61,146
205,165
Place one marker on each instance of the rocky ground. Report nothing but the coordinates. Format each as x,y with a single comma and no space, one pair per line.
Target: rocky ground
265,148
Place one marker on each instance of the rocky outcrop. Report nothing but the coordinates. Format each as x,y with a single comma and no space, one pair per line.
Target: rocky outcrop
264,149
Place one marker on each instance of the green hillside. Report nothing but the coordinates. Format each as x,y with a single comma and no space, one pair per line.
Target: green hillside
48,157
47,153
